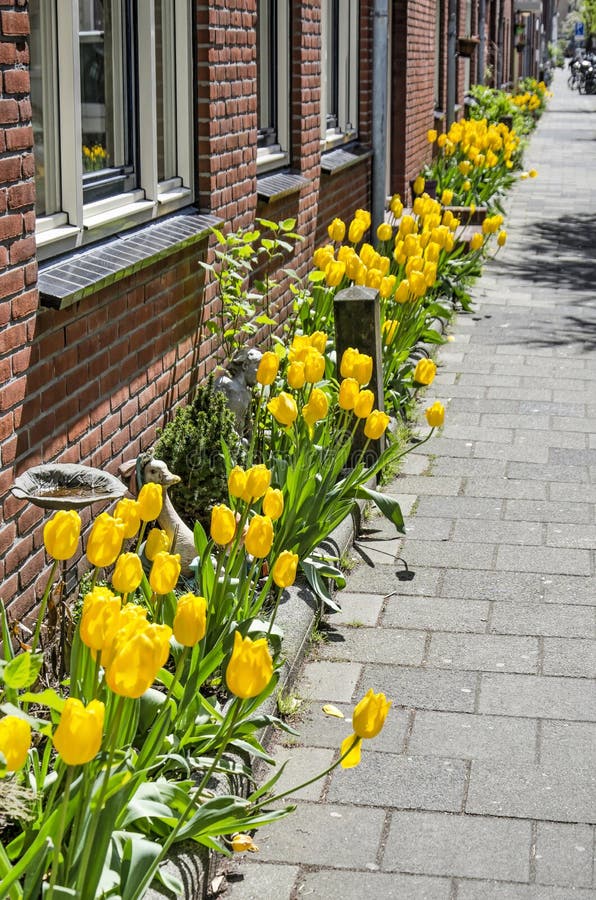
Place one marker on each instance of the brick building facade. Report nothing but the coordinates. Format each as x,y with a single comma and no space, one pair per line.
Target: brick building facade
90,376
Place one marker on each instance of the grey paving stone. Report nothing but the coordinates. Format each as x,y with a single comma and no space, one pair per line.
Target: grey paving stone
490,380
301,764
483,653
385,645
423,688
571,474
473,391
580,493
519,393
572,439
485,406
567,423
543,559
532,792
564,854
423,528
568,535
356,608
548,511
505,487
403,782
478,433
327,884
436,614
490,890
570,656
247,880
434,485
578,590
515,587
451,555
527,453
415,463
443,447
297,838
537,697
480,468
559,457
571,744
316,729
460,507
463,736
464,846
509,532
532,407
376,552
548,619
330,681
391,580
512,420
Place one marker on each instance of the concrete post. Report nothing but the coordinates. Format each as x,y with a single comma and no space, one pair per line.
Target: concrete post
357,314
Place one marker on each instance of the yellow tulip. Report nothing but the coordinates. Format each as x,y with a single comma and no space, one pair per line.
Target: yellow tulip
78,735
165,572
259,536
389,330
105,540
318,339
425,371
128,573
237,482
363,368
250,668
101,609
533,173
284,569
376,425
295,375
316,408
403,291
419,185
346,367
283,408
348,391
15,741
417,284
363,404
242,842
435,415
190,621
258,479
353,756
384,231
373,279
476,241
157,541
150,500
268,367
322,257
337,230
502,238
368,254
364,216
396,206
314,366
446,197
273,503
387,287
334,273
369,715
137,659
356,231
118,628
223,524
431,135
127,510
61,534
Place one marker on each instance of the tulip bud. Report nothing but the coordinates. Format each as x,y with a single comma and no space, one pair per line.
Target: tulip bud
384,231
61,534
15,740
314,366
356,231
389,330
165,572
268,367
369,715
128,512
337,230
284,569
334,273
376,425
363,404
101,609
223,524
78,735
502,238
105,540
237,482
348,391
363,368
128,573
283,408
250,668
348,359
295,375
318,340
150,500
137,659
316,408
446,197
157,541
242,842
190,621
273,503
425,371
259,536
435,415
431,135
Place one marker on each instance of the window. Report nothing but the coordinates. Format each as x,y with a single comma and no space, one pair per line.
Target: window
112,121
273,74
339,89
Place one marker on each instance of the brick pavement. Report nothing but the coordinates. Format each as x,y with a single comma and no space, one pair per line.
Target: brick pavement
482,784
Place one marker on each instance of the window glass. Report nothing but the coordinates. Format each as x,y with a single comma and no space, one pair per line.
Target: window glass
43,103
165,78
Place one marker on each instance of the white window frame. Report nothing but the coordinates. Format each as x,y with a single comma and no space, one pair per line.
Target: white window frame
277,154
77,223
348,60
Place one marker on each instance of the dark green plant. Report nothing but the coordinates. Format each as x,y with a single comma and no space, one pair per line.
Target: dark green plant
191,445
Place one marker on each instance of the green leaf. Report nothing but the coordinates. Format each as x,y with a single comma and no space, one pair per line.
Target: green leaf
316,275
22,671
49,697
139,854
386,504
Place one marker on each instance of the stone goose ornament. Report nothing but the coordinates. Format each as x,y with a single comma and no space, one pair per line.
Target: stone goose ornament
181,537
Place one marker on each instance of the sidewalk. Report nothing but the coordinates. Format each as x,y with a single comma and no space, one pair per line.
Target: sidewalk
482,784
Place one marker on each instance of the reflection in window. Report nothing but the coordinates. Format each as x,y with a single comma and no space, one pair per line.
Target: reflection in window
43,102
165,82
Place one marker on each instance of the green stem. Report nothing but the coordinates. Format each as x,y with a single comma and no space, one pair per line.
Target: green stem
60,832
42,607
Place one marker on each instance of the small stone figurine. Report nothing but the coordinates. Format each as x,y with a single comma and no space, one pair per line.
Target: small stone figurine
237,383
